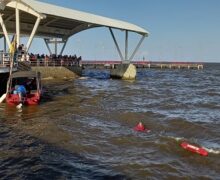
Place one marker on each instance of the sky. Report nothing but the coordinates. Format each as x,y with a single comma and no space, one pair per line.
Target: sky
180,30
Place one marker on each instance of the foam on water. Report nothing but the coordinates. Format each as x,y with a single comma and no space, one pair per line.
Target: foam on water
176,138
213,151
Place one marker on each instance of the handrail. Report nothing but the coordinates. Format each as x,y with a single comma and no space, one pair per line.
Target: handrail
5,60
53,62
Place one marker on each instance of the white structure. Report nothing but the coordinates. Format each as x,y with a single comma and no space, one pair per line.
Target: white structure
34,18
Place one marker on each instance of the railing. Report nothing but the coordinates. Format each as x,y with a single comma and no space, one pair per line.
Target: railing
5,60
136,62
34,61
53,62
144,64
88,62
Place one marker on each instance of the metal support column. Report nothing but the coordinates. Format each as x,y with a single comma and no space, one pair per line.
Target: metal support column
33,32
17,26
5,31
126,45
4,44
48,47
55,46
116,44
64,45
137,47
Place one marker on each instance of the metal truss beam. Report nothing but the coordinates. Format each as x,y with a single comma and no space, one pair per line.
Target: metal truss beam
4,30
55,42
17,26
137,47
52,31
23,7
80,28
33,32
126,45
47,44
116,43
64,45
9,18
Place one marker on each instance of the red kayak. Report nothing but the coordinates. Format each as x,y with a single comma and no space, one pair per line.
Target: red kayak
194,148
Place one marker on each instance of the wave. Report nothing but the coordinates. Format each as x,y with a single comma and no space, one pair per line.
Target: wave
211,150
178,139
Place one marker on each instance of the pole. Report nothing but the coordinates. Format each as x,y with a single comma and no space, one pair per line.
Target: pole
12,56
64,45
17,26
4,44
55,46
4,30
33,32
137,47
126,45
116,44
48,47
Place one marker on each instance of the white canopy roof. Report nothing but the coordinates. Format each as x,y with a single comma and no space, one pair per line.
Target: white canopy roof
57,21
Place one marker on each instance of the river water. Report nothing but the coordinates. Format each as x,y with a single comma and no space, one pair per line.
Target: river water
83,128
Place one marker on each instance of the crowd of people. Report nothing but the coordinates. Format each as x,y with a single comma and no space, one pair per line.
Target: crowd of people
50,60
41,59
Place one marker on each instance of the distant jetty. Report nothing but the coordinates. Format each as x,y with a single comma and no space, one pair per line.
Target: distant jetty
143,64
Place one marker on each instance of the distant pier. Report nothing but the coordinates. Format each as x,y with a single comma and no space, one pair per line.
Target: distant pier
143,64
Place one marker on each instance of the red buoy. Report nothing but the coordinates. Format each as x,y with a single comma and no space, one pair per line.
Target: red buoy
193,148
140,127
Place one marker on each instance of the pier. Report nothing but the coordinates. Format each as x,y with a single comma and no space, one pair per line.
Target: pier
111,64
22,18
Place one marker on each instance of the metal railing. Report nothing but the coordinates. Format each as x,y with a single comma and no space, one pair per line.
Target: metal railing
5,59
34,61
53,62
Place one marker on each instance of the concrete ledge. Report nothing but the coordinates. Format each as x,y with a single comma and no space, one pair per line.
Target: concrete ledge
124,71
59,72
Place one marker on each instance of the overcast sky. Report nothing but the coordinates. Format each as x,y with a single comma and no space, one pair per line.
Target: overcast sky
180,30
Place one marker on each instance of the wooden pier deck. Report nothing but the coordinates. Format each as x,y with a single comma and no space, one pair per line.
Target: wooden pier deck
143,64
170,65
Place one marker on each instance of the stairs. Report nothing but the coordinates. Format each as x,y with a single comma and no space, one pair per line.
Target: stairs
24,66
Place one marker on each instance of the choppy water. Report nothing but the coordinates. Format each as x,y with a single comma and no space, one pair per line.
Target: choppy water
83,129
